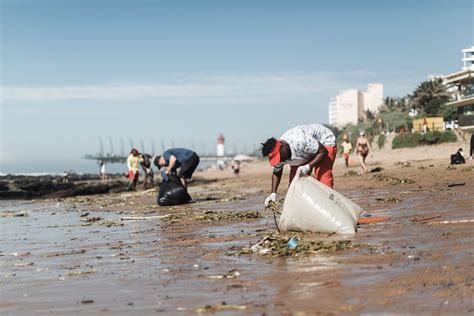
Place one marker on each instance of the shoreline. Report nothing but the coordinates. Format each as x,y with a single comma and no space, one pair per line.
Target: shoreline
192,258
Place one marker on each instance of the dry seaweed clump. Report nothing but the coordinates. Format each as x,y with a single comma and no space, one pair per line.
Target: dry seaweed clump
280,246
388,199
393,180
13,214
215,216
350,173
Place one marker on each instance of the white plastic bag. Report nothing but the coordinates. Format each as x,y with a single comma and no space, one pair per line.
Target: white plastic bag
312,206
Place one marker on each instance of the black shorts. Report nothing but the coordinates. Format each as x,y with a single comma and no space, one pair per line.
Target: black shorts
189,166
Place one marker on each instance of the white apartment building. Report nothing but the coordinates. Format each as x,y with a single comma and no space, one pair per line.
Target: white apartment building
468,58
373,97
350,105
344,108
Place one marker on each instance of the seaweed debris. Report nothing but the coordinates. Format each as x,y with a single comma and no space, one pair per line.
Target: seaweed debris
393,180
388,199
276,245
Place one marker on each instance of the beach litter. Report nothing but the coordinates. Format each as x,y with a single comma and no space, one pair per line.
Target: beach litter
376,169
461,221
214,308
76,273
13,214
421,219
232,274
67,253
292,243
372,219
87,301
450,185
136,218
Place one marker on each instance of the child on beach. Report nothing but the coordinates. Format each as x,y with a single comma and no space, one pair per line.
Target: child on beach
346,149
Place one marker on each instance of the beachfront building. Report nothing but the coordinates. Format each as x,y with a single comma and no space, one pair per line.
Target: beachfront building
345,108
468,58
373,97
461,84
349,106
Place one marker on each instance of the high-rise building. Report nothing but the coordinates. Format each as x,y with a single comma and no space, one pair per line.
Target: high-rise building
349,106
373,97
344,108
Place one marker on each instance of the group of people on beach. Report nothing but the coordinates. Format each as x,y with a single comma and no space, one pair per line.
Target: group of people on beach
172,159
307,149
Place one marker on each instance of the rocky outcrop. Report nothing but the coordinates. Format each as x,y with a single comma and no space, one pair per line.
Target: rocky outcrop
27,187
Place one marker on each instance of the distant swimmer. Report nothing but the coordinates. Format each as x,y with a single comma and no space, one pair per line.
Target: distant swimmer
304,148
178,158
362,149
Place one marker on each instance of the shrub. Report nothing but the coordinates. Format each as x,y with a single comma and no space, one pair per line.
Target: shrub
417,139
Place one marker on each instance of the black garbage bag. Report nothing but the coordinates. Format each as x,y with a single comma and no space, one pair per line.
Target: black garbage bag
172,192
457,159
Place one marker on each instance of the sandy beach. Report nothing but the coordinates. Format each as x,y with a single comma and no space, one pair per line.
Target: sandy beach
76,255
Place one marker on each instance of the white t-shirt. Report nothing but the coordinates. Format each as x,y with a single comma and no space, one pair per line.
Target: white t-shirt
304,143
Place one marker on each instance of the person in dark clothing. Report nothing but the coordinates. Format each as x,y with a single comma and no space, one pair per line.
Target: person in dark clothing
178,158
458,158
148,170
471,150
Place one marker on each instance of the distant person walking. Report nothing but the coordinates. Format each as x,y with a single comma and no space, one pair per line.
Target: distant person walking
133,164
179,158
304,148
65,176
103,171
346,149
236,167
362,148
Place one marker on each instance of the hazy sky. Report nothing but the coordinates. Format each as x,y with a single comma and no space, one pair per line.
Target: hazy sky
73,71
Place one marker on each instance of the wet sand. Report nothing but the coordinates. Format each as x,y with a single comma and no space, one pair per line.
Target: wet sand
55,262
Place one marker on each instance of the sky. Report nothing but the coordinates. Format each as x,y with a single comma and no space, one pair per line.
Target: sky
181,72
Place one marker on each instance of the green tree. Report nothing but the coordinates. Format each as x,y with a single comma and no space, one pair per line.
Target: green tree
428,91
449,112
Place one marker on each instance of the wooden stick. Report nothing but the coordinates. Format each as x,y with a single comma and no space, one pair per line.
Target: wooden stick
461,221
416,219
134,218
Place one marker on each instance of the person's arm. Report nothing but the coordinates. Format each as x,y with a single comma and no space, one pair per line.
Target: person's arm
276,178
171,164
320,155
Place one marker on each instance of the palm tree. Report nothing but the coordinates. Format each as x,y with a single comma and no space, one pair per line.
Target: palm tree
427,91
395,105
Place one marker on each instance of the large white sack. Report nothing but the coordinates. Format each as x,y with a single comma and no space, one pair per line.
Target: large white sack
312,206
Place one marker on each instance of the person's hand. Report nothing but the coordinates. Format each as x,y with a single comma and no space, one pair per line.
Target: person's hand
272,197
303,170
